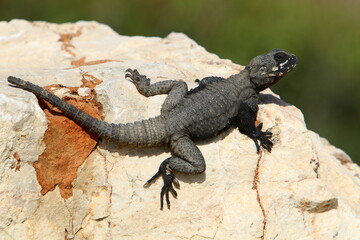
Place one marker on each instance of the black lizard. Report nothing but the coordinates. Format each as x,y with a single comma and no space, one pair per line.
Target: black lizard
201,113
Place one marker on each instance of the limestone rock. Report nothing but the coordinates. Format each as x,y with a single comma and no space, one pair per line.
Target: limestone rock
304,189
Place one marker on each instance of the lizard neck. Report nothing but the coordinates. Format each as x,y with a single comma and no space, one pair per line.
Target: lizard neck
241,79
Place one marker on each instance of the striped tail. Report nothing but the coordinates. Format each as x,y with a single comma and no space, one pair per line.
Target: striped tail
147,132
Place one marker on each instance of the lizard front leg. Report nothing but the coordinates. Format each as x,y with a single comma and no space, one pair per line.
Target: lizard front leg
187,159
176,90
246,123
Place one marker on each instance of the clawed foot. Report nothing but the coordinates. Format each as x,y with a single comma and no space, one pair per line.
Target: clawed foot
263,137
140,81
168,178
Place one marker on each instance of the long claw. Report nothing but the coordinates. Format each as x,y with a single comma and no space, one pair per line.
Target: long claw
173,192
267,133
131,73
152,179
257,145
162,193
167,199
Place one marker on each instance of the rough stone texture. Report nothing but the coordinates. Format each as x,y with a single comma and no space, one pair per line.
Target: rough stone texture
305,189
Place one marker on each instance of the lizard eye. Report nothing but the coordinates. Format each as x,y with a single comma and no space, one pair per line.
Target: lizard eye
279,56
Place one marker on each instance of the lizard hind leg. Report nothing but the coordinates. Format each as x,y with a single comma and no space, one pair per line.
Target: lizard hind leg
187,159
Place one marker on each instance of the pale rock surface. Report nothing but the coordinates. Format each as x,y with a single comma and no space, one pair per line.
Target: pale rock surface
305,189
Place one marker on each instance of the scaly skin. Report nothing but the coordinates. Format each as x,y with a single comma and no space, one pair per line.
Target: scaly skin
201,113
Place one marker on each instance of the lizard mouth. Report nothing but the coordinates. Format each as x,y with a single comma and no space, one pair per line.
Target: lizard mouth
284,67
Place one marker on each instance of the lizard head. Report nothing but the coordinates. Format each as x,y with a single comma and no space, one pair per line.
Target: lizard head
266,69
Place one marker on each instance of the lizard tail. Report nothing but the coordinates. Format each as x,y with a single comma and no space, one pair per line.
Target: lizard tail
147,132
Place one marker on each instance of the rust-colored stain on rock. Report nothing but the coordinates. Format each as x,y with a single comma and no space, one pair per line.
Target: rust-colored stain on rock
17,157
66,38
67,144
82,62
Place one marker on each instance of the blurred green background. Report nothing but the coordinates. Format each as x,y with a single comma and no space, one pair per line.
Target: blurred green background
325,35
